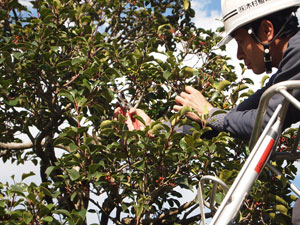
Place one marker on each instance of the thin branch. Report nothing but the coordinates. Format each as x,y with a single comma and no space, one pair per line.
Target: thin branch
174,212
15,146
190,211
24,146
194,219
140,99
72,79
103,211
179,210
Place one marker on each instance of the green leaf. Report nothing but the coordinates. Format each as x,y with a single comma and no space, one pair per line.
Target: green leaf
67,95
186,4
183,182
46,191
212,148
223,84
281,208
17,189
106,124
48,19
219,197
25,175
161,27
78,60
48,219
82,213
49,170
263,80
185,109
276,198
62,140
157,128
139,209
167,74
140,165
92,211
94,167
13,102
73,196
64,63
62,211
74,174
73,147
27,217
55,48
183,144
218,112
189,71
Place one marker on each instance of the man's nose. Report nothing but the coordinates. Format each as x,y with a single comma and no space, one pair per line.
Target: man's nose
240,53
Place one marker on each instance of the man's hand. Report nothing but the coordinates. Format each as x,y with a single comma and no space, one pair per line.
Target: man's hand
132,123
193,98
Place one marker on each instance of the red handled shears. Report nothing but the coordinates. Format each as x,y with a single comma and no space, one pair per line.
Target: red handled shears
124,112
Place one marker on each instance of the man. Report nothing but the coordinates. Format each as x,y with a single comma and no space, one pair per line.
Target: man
264,41
267,35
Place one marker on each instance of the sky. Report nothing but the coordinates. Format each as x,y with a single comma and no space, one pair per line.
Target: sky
208,13
208,16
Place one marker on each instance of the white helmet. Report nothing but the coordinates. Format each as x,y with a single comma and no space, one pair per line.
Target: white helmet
237,13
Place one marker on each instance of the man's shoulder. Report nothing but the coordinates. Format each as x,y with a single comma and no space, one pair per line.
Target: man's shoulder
295,40
289,67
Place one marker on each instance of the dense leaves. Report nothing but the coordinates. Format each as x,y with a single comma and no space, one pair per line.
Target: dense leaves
67,64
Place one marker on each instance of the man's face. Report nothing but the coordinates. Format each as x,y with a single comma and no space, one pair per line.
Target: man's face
250,51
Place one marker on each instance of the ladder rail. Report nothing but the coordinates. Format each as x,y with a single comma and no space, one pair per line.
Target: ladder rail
263,104
262,144
251,169
202,202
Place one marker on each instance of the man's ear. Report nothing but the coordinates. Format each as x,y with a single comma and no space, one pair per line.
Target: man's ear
266,31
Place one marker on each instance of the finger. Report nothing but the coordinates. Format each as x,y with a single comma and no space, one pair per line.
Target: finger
190,89
179,100
193,116
137,112
130,125
177,108
145,117
184,95
129,122
117,112
138,125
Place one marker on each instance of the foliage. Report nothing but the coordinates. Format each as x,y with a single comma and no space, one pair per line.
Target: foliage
67,64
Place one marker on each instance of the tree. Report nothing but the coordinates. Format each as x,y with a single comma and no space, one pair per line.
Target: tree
67,64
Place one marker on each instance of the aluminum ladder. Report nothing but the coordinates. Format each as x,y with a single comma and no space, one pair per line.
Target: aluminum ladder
262,145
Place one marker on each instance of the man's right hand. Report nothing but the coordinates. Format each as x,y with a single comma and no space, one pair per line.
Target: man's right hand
132,123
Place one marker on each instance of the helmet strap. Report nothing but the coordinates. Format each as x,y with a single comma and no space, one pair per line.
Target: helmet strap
268,57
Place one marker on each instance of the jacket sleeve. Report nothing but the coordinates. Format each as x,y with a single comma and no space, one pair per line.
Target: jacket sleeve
240,120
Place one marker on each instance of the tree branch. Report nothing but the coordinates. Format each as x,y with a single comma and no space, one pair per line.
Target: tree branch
24,146
169,213
15,146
